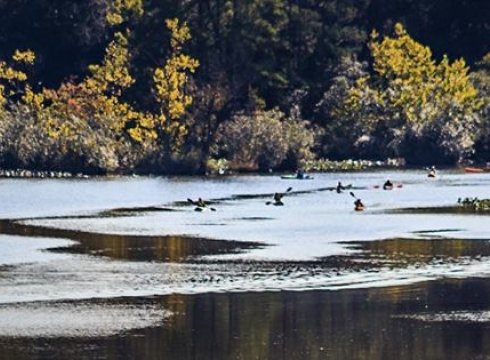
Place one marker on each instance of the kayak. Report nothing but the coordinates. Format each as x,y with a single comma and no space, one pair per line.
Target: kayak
201,209
476,170
294,177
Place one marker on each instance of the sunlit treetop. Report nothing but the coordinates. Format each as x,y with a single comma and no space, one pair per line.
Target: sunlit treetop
170,85
10,76
411,78
180,33
121,9
113,74
400,57
26,57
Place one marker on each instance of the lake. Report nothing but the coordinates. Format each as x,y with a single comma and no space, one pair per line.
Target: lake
125,267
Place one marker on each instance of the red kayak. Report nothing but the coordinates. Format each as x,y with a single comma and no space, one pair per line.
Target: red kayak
476,170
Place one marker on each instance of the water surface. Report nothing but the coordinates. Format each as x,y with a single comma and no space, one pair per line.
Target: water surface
137,271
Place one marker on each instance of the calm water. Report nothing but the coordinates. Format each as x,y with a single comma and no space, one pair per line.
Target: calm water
125,268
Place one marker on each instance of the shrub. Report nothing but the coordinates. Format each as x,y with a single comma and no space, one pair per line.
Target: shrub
264,140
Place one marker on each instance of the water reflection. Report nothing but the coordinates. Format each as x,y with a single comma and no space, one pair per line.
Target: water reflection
410,251
349,324
133,248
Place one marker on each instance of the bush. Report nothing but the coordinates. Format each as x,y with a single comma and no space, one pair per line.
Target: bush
264,140
27,141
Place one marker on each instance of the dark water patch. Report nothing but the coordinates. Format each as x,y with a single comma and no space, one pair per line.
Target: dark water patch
70,217
435,231
369,256
254,218
209,224
290,193
131,211
349,324
459,210
131,247
247,197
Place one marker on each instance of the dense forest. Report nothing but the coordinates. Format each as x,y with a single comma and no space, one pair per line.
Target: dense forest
105,86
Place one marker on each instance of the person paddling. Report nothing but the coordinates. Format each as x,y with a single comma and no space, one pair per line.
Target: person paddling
432,172
278,198
339,188
388,185
200,204
358,205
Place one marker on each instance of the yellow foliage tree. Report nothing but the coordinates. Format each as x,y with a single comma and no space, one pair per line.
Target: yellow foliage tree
414,80
11,77
97,98
412,101
120,9
112,76
170,82
170,85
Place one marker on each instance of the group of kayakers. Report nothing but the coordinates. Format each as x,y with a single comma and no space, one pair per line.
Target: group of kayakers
300,174
388,185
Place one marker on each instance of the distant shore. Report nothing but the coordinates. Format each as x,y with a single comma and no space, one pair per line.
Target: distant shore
39,174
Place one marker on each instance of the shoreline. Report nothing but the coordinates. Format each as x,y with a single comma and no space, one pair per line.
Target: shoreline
40,174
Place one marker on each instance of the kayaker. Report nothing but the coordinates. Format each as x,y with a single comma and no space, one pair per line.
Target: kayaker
432,172
388,185
358,205
278,197
339,188
200,203
300,174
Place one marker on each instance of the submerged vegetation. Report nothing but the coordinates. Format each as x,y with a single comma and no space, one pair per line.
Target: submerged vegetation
207,86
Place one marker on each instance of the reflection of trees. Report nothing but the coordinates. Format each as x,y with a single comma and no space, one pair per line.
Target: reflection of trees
347,324
357,324
139,248
421,251
154,248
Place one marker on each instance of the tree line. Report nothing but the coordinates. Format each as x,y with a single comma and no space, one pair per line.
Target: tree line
182,86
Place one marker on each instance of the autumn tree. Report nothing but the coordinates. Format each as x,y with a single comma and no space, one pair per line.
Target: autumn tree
481,80
422,110
120,10
170,90
12,79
